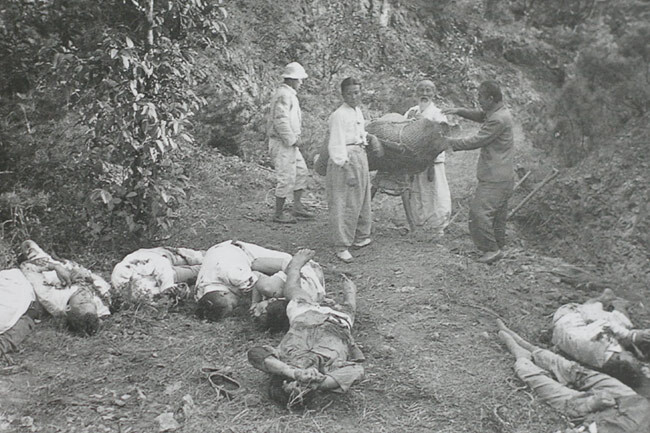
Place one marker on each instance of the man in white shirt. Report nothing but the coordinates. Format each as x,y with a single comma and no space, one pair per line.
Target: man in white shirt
598,401
429,198
229,273
284,134
606,340
65,288
348,179
148,272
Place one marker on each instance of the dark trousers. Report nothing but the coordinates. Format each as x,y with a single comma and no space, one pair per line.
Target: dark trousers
11,338
488,214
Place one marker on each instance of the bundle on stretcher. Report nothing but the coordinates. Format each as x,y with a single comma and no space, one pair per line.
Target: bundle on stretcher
405,146
409,146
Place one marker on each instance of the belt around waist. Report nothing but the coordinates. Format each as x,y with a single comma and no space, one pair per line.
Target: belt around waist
356,144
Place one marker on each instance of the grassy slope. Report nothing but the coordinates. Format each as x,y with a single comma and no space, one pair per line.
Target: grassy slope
426,324
426,319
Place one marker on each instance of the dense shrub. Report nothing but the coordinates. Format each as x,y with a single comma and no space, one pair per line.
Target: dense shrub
124,72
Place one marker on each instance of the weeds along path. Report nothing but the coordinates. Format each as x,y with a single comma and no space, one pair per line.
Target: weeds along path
425,321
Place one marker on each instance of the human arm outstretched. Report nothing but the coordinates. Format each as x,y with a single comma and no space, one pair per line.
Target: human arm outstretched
473,115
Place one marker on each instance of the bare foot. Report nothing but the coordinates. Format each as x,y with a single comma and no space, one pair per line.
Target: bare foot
304,255
513,347
515,337
300,259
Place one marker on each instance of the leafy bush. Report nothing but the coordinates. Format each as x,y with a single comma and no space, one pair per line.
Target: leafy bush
608,84
127,69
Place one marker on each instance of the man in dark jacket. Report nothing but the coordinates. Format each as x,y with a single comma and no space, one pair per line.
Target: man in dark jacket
495,171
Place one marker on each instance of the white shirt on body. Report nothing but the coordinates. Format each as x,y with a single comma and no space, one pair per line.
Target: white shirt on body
346,126
16,293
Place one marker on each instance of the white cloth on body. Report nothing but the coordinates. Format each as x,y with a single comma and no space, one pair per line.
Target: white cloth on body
16,293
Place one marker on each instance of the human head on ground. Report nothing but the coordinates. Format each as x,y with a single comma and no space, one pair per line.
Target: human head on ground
351,91
81,314
489,94
424,91
628,369
293,75
271,315
214,306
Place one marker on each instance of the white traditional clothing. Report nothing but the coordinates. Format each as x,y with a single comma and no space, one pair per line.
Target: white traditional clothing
16,293
579,330
51,292
227,267
346,127
283,130
348,179
312,280
430,199
150,271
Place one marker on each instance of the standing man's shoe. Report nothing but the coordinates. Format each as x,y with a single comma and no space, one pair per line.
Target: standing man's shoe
362,243
303,214
491,257
345,256
284,218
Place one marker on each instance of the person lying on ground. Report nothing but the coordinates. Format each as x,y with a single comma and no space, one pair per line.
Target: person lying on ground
16,310
227,276
268,301
148,272
66,289
318,352
601,402
602,339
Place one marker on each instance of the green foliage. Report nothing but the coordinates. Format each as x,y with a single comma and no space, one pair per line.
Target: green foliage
127,70
609,84
19,214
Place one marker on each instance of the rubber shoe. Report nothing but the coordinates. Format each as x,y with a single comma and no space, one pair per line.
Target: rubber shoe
345,256
363,243
490,257
284,219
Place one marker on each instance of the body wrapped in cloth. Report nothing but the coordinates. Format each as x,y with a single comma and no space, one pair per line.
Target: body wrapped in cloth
405,146
409,146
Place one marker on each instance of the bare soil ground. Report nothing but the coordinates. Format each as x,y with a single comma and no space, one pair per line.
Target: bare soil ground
426,323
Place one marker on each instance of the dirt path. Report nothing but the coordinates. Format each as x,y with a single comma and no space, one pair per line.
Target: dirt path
425,322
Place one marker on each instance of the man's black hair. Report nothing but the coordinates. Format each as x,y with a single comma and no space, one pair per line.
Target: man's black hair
626,371
349,81
82,324
492,89
209,307
276,316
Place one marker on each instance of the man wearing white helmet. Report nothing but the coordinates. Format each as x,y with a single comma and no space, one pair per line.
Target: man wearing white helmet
283,131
